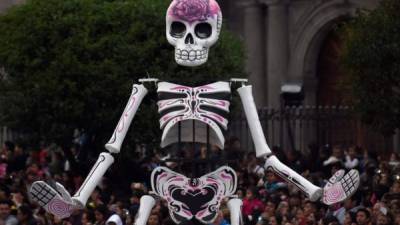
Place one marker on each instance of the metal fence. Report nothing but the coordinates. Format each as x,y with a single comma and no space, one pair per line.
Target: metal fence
298,127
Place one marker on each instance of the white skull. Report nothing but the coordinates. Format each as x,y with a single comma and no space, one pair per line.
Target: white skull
193,26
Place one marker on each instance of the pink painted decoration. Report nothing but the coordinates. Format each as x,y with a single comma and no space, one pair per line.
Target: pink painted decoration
194,197
193,10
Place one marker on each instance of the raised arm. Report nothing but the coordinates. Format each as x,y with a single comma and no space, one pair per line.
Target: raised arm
56,200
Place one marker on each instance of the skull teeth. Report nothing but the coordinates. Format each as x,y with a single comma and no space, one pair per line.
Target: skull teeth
191,55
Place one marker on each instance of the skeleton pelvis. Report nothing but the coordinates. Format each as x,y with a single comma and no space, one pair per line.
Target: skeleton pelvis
197,198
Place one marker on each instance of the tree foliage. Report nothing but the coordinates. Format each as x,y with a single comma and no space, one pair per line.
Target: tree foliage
71,64
371,57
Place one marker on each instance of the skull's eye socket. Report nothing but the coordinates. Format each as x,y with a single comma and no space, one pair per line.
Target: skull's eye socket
203,30
178,29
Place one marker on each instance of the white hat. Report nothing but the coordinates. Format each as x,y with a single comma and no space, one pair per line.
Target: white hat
114,219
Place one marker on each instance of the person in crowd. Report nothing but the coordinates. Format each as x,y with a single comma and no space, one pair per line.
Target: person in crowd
394,160
119,209
351,160
272,182
309,213
101,214
349,205
6,217
369,157
87,217
269,208
154,219
336,156
25,216
363,217
252,205
18,198
283,212
264,202
253,165
273,220
95,199
367,173
382,182
349,218
395,188
377,209
384,219
299,216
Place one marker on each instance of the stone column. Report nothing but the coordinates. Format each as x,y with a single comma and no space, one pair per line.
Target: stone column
310,86
254,42
277,48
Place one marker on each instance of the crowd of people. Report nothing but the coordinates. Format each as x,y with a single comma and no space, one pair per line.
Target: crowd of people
267,199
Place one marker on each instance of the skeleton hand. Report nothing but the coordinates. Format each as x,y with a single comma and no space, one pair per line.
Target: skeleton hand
340,187
56,201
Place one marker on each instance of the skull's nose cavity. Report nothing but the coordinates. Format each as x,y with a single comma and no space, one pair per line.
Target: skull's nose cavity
189,39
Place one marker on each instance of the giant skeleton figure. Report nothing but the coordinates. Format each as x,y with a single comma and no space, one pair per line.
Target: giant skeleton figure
186,114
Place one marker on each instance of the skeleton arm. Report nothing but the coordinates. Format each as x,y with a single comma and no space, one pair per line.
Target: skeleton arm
147,203
137,95
63,205
235,209
113,146
344,185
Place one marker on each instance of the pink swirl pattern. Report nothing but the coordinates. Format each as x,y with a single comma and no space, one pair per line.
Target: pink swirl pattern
193,10
121,123
59,208
334,193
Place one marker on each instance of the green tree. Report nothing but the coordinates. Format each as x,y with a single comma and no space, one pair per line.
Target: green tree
70,64
371,58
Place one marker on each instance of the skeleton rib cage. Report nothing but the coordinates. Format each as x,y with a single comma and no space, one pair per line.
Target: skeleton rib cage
193,108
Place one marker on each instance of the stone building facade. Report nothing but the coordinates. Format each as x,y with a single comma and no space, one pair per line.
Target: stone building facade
296,42
284,39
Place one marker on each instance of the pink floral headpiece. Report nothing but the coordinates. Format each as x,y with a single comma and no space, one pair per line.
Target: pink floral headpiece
193,10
